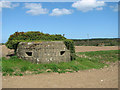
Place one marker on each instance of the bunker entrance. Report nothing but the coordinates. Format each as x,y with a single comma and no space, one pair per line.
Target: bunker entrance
62,52
29,53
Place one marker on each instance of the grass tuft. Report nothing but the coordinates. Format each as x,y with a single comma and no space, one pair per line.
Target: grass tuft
84,60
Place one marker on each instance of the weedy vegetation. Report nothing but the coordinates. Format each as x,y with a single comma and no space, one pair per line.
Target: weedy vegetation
36,36
84,60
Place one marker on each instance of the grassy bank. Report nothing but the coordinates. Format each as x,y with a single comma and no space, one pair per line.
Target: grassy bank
84,60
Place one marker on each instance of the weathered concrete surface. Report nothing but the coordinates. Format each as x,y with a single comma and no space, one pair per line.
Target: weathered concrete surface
43,52
102,78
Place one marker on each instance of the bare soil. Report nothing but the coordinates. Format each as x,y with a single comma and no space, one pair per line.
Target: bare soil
102,78
94,48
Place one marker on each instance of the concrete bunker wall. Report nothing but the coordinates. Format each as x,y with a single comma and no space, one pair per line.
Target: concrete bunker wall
43,52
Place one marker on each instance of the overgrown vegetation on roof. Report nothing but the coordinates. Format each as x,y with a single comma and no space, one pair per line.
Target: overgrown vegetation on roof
31,36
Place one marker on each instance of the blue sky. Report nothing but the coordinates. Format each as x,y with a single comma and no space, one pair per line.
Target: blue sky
74,19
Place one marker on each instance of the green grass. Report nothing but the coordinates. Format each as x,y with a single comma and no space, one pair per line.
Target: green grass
84,61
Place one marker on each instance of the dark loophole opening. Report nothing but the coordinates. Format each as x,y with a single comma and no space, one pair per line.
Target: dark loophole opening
62,52
29,53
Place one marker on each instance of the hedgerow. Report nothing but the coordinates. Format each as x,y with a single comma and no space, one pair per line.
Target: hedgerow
30,36
97,42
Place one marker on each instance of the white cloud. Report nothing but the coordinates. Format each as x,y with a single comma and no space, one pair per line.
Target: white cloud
59,12
88,5
115,8
35,9
6,4
99,8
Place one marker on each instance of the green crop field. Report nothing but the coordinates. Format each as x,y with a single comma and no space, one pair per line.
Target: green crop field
84,61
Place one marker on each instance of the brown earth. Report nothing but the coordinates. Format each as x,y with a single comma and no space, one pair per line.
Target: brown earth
94,48
102,78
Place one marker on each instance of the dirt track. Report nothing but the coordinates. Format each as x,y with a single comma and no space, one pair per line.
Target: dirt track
103,78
